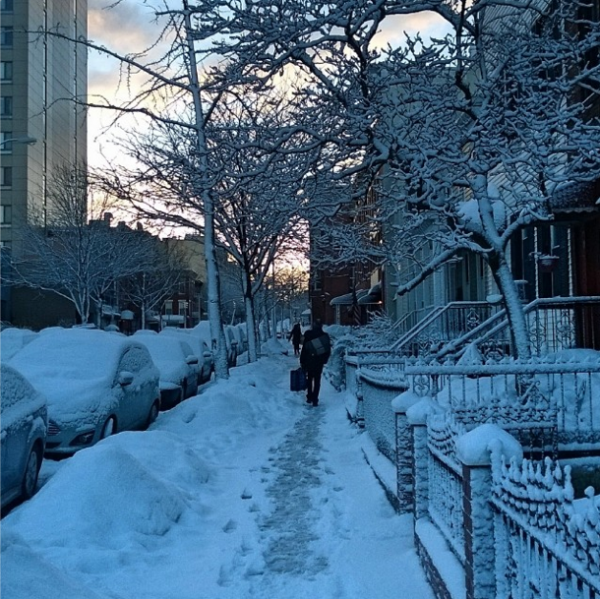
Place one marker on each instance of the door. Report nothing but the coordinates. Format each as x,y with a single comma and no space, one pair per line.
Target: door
586,242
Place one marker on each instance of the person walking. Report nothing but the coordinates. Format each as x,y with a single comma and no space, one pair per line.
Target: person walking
315,353
295,337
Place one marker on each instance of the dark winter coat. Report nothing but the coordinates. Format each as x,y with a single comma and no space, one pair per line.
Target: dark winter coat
296,334
308,360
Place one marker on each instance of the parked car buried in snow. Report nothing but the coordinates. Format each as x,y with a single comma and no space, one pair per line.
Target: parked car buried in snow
23,430
199,348
202,331
177,364
97,384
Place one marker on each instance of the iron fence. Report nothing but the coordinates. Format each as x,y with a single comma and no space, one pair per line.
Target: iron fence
547,544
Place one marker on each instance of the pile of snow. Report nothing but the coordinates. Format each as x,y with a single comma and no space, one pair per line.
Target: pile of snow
13,340
244,491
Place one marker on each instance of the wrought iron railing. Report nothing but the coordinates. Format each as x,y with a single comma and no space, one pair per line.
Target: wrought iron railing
441,325
547,406
545,546
554,324
445,483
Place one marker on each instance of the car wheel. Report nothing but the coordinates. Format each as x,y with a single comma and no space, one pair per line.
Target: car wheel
109,428
30,476
153,414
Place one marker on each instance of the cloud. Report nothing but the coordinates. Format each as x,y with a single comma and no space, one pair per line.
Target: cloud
125,26
426,24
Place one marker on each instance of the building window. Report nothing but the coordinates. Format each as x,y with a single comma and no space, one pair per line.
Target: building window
6,36
6,176
5,215
169,307
6,6
6,107
5,143
6,70
5,244
182,306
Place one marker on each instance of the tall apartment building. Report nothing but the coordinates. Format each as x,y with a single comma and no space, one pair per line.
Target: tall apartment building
41,127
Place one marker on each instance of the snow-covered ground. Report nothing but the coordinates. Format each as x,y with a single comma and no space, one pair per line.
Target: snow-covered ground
244,491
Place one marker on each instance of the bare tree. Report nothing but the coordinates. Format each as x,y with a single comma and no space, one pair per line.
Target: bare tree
160,83
469,134
256,192
73,254
485,115
158,275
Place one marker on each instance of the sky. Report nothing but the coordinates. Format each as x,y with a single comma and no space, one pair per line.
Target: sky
244,491
129,26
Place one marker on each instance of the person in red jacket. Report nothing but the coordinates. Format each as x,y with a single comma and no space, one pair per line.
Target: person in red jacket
315,353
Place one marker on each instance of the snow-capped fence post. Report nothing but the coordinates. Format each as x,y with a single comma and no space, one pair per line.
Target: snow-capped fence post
474,450
404,450
416,418
360,407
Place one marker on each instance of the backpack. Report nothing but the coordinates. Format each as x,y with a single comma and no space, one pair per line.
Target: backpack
319,346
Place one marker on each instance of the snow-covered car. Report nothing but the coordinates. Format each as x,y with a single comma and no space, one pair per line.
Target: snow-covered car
241,335
12,340
23,424
206,363
96,383
202,330
177,364
233,349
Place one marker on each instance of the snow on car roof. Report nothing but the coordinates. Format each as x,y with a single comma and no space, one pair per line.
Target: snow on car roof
71,364
18,398
195,343
167,353
202,330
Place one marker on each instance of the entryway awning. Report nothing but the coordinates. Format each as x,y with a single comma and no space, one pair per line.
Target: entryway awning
347,299
373,297
576,197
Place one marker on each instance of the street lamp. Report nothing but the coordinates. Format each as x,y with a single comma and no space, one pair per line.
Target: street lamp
27,140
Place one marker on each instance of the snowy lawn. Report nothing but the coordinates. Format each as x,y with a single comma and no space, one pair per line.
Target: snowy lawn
244,491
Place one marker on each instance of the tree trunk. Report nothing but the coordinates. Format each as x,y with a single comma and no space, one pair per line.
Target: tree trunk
214,312
514,308
251,330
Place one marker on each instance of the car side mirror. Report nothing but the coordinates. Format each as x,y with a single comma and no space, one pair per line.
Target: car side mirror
125,378
191,360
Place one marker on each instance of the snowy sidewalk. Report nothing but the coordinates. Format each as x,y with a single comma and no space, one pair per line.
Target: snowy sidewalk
327,529
244,492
